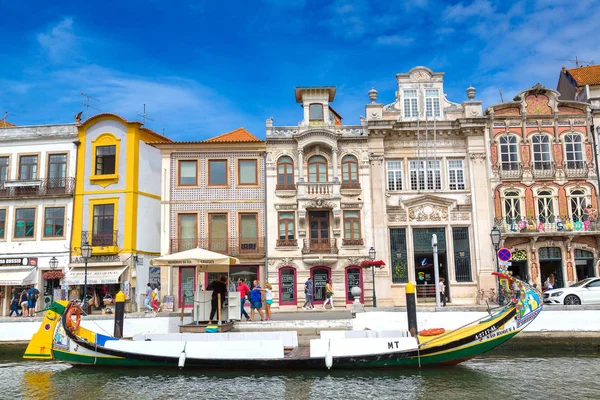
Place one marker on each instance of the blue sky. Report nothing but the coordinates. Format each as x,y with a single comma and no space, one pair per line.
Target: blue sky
203,68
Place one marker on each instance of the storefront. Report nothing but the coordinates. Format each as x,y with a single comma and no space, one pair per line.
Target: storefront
17,273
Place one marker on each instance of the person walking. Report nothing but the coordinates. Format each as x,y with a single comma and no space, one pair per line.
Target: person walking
148,298
243,289
328,295
32,296
268,300
256,301
155,297
308,295
14,303
219,288
24,304
442,289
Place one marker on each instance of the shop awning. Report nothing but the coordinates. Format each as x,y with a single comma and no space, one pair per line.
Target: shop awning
76,276
18,276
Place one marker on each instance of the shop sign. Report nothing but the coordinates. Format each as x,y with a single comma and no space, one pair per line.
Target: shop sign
18,261
535,225
96,259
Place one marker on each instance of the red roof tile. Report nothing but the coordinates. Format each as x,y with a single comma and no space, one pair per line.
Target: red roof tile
240,135
5,124
586,75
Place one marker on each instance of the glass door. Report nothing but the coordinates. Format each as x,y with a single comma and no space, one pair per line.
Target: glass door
320,276
319,231
187,283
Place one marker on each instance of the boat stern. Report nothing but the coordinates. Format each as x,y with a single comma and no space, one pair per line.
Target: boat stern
40,345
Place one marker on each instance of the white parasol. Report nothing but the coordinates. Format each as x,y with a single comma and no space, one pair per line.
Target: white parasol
204,260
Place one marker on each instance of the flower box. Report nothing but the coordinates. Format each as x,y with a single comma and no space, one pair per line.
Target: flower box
374,263
53,275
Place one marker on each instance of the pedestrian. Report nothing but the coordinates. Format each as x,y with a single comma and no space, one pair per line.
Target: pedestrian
308,295
14,303
328,295
231,286
24,303
516,289
32,296
442,290
219,288
155,298
243,289
268,300
148,298
256,301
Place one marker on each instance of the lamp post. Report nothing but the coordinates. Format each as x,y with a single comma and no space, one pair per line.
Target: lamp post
372,254
53,265
495,236
86,252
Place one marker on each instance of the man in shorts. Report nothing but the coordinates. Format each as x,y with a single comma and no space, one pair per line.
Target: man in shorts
256,301
32,296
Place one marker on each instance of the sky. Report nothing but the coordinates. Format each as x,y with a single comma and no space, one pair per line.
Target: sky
205,68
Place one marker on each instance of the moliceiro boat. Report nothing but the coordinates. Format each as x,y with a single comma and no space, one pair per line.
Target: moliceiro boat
61,337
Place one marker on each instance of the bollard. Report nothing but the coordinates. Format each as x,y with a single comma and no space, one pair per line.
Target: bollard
119,314
411,309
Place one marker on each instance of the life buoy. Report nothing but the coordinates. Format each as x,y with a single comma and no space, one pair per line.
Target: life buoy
73,325
432,332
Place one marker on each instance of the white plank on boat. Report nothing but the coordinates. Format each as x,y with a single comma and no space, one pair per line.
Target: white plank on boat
259,349
154,348
358,347
289,338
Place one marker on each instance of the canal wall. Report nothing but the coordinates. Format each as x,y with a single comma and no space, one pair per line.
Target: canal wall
551,322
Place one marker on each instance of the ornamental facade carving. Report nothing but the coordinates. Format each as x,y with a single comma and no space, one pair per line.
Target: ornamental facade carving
427,212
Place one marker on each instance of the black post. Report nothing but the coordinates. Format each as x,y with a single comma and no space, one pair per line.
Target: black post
119,314
85,285
411,309
374,294
500,294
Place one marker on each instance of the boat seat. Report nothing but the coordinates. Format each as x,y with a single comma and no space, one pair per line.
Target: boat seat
288,338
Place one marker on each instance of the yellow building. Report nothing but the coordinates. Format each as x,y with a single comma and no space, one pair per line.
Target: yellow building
116,210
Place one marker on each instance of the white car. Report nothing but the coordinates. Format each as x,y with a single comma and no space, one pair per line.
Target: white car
586,291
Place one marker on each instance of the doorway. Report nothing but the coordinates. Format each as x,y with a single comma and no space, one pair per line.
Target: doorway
551,263
584,264
354,278
519,268
320,275
319,231
187,284
424,268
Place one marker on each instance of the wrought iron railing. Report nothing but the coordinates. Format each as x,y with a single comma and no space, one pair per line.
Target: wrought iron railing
542,169
353,242
287,242
37,187
576,169
229,246
326,246
510,170
103,239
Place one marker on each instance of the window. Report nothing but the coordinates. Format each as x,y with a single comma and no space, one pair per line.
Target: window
545,204
2,223
24,223
248,233
188,173
394,173
541,152
432,102
217,232
28,168
399,255
285,173
287,286
54,221
418,171
315,112
247,172
286,229
3,169
578,203
349,171
351,227
462,254
410,104
574,151
103,225
317,169
57,170
217,172
188,232
512,206
508,153
106,160
456,174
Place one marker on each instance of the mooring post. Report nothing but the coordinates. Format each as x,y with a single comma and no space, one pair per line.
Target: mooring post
219,308
411,309
119,314
182,310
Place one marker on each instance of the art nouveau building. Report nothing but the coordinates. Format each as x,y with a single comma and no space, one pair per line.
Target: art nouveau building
213,197
544,182
319,202
428,172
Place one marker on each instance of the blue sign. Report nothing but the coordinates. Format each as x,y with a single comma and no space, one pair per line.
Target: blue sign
424,262
504,254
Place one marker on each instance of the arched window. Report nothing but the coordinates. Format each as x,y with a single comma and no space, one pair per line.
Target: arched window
541,153
285,173
287,287
349,171
512,206
574,151
509,155
577,204
315,112
317,169
545,203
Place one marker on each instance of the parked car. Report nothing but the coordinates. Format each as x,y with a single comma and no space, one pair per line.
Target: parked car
586,291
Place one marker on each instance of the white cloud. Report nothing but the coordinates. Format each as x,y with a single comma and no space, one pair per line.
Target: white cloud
59,43
462,11
394,40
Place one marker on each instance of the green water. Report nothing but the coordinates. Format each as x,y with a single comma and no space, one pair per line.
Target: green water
540,372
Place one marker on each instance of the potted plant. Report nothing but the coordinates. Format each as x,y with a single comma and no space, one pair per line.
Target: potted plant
375,263
53,275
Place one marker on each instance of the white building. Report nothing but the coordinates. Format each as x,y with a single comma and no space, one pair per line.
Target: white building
428,171
37,170
319,202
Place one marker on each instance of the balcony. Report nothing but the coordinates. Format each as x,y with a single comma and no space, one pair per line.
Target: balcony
285,187
549,228
316,189
319,246
231,246
353,242
576,169
542,169
510,170
287,243
48,187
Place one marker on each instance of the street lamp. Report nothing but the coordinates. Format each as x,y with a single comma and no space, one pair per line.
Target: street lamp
495,236
86,252
53,265
372,255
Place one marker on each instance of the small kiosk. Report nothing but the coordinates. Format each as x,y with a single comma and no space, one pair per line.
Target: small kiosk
206,261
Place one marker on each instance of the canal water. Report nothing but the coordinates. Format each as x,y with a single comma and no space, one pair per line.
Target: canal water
539,373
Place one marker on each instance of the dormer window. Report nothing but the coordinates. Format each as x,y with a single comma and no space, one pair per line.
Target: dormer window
316,112
432,102
410,104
